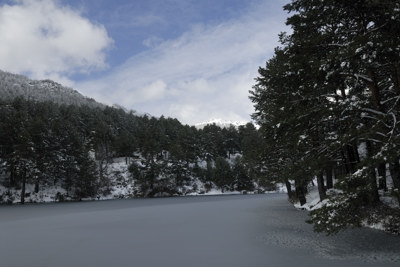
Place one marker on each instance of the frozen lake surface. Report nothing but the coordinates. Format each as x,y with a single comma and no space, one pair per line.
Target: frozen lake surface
240,230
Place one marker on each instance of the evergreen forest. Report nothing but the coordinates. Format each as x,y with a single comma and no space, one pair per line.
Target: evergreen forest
73,146
328,103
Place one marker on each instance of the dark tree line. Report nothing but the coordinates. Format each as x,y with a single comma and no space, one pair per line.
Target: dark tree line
44,143
328,103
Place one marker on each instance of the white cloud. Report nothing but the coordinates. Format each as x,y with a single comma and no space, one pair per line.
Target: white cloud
43,39
153,91
206,72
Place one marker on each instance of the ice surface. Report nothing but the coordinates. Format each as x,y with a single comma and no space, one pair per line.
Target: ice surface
239,230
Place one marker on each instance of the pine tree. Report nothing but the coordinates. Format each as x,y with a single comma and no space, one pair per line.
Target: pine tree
242,178
223,176
331,88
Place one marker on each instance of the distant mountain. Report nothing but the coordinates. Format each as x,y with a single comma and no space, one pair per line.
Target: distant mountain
14,85
221,123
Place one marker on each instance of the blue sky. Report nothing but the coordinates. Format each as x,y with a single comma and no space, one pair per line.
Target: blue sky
188,59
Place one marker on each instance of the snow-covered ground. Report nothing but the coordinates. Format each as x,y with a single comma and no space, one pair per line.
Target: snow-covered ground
314,202
121,186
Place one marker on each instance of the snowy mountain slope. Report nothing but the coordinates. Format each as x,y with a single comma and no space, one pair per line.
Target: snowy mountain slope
13,85
221,123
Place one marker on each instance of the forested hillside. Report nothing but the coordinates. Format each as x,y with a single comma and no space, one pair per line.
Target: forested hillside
14,85
73,147
328,103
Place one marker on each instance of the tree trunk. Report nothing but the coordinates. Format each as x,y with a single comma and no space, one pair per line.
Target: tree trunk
23,187
329,178
321,186
373,86
289,189
382,177
372,182
395,173
352,157
37,185
346,165
373,191
343,92
300,192
12,176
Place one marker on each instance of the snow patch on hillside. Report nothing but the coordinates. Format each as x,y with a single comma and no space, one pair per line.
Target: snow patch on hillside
14,85
221,123
121,185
